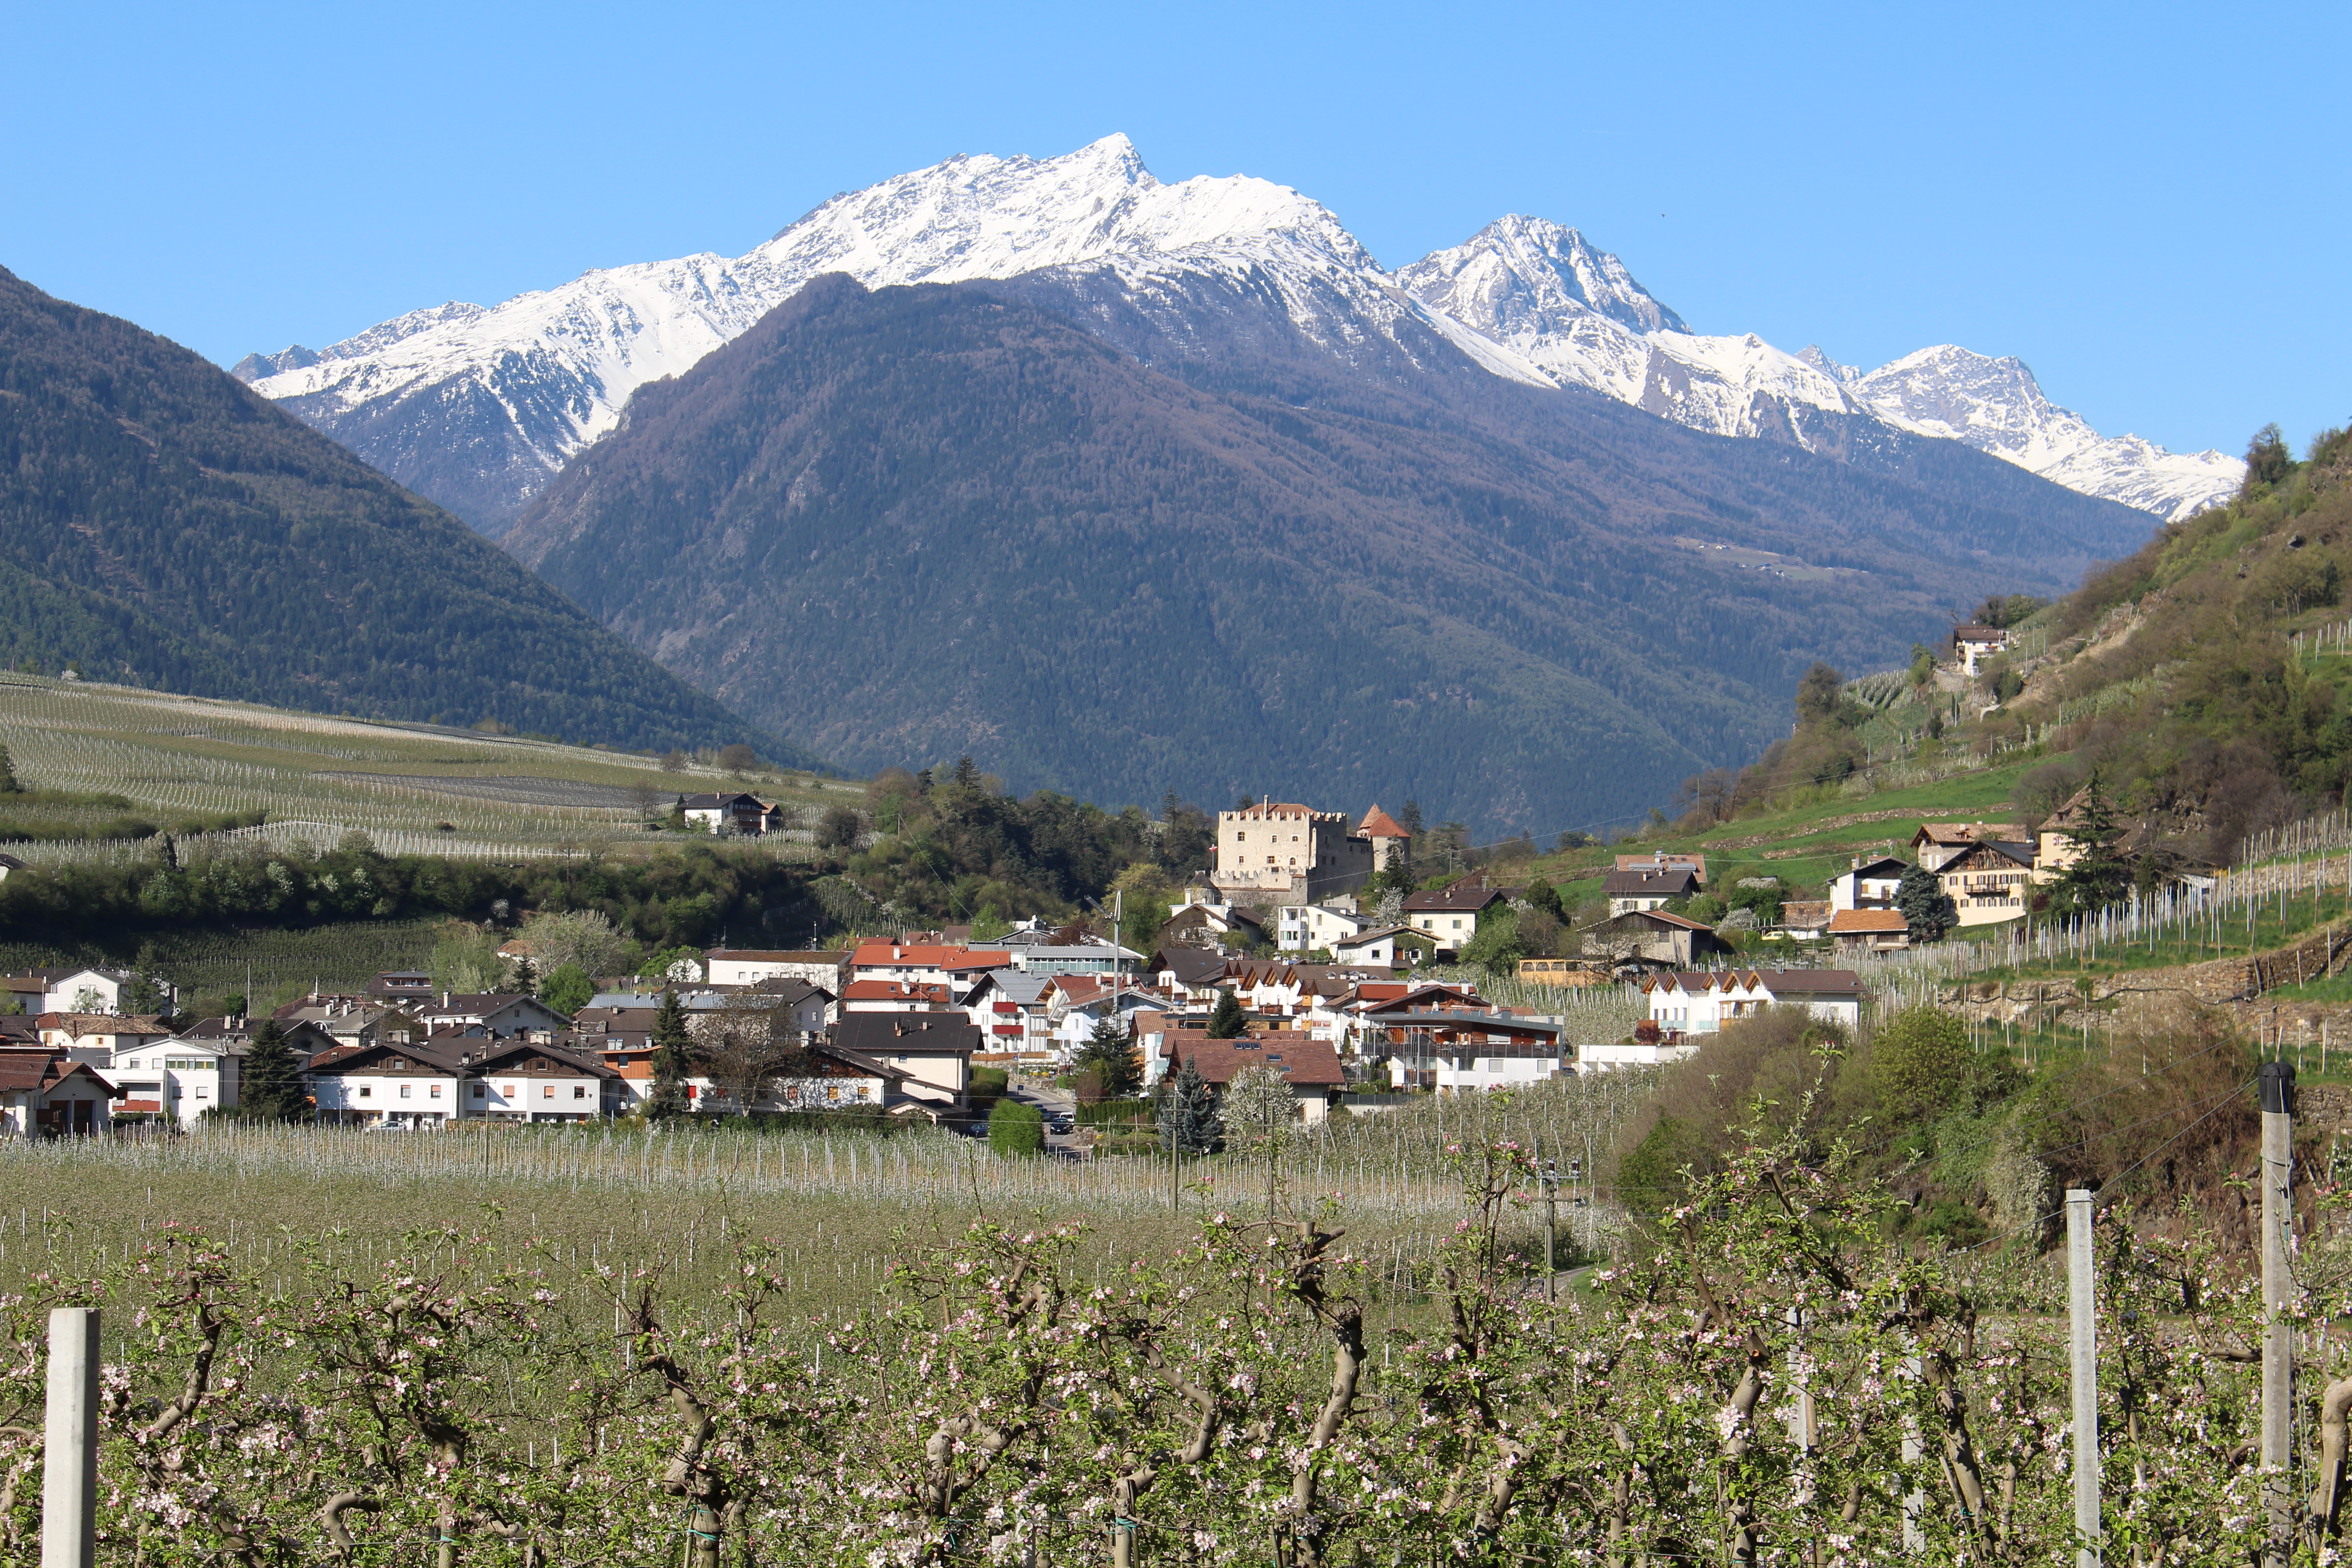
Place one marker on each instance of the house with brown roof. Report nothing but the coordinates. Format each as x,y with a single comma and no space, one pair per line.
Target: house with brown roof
1989,882
1936,842
1311,1067
1449,916
934,1049
1649,938
504,1015
45,1093
1869,930
1667,860
101,1033
1455,1049
1973,645
1806,919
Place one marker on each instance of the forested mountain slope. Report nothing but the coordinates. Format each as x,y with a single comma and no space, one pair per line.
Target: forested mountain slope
161,524
927,521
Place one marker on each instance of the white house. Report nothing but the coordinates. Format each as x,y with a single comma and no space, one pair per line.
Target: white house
174,1077
1868,884
1702,1002
77,992
747,966
1379,947
1973,645
726,812
1303,928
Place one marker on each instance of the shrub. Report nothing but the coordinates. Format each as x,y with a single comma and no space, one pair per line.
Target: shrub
1016,1127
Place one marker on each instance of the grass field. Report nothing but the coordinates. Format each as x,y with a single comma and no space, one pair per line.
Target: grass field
412,788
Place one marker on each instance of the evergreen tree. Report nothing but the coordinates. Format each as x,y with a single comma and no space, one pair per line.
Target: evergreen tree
1922,902
1109,1055
1189,1123
1410,817
1227,1020
8,785
1542,895
526,978
2100,877
270,1081
672,1047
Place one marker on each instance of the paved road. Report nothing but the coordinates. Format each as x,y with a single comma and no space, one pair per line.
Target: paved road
1054,1102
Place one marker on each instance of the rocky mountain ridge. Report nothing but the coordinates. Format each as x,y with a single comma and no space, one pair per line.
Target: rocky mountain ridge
479,407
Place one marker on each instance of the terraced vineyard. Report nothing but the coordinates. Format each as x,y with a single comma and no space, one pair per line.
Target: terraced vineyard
410,788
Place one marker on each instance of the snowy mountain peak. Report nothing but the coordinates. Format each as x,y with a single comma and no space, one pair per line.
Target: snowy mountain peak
478,406
1812,355
986,216
1997,406
1519,273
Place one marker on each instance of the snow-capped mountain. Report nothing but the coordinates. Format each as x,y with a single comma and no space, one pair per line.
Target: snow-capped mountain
478,406
1542,292
1995,406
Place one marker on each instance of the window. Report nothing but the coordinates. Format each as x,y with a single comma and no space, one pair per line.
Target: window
432,1093
579,1092
367,1091
201,1092
481,1090
547,1091
404,1091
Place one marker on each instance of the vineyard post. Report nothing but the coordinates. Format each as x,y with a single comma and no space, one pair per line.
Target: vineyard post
1551,1213
1914,1500
69,1454
2082,1335
2277,1080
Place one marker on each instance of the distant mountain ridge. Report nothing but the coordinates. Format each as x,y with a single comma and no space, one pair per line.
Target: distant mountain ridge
1114,540
161,525
1576,315
478,407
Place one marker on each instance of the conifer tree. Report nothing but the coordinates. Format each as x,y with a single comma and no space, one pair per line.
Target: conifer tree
1110,1056
1921,901
2099,877
1227,1021
1189,1123
526,977
672,1046
8,785
269,1081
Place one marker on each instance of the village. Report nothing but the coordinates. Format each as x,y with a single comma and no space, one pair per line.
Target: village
1299,960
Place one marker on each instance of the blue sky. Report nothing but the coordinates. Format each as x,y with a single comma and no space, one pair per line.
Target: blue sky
2139,201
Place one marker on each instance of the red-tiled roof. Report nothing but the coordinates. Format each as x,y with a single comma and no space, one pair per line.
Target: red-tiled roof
1379,823
1299,1056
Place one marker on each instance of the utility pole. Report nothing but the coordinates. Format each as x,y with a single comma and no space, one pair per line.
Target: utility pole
69,1454
2277,1080
2083,1336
